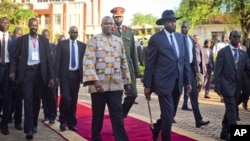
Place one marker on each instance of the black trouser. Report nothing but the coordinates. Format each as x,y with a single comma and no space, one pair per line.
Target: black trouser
49,100
113,99
18,106
69,95
32,87
6,94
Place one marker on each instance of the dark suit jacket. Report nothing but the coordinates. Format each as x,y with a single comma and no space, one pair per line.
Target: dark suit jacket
11,46
63,58
162,64
20,58
140,55
228,80
194,62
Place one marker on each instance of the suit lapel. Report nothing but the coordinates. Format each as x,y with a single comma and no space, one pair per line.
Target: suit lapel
26,43
166,42
240,58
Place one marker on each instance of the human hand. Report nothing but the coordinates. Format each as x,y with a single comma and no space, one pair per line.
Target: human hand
12,77
127,89
98,86
189,88
147,93
51,83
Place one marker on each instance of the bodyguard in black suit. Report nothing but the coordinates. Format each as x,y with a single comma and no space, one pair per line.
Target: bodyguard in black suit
49,99
7,48
35,73
69,56
190,45
231,64
166,65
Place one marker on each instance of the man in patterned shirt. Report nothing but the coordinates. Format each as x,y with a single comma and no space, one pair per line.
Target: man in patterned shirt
107,74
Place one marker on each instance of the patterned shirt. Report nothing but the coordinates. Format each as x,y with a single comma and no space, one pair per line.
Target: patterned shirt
105,60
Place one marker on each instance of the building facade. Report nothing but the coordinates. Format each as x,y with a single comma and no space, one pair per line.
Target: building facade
59,15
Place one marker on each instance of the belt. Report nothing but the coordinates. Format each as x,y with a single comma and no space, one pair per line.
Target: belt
4,64
33,67
73,70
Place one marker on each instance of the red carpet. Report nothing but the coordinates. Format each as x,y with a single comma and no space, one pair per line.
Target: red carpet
137,130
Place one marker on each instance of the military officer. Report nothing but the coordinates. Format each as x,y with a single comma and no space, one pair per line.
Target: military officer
127,36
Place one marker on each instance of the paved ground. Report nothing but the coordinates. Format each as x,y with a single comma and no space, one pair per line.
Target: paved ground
211,109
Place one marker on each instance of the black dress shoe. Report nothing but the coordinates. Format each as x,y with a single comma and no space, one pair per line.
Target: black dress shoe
18,127
174,121
224,137
156,129
186,108
51,121
5,132
45,120
73,128
201,123
29,135
135,102
238,118
63,127
244,105
206,96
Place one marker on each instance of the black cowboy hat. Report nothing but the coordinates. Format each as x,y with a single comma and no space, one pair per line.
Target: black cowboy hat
166,15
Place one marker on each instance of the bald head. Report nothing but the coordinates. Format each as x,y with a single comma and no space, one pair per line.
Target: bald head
107,25
73,32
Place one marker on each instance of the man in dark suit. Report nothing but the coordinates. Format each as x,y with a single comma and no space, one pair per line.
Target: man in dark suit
7,48
196,67
34,70
140,49
49,99
231,64
69,56
166,65
127,36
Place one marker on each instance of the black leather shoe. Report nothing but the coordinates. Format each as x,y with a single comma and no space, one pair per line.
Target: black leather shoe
174,121
238,118
206,96
45,120
244,105
156,129
186,108
18,127
51,121
202,123
5,132
135,102
29,135
224,137
73,128
63,127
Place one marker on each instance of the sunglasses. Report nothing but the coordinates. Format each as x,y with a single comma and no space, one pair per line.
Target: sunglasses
237,36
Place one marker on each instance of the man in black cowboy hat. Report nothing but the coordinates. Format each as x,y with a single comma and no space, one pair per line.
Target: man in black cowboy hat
166,66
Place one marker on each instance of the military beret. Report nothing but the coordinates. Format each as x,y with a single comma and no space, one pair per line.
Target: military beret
118,11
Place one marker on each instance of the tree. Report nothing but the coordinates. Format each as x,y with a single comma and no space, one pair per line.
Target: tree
16,14
139,19
198,11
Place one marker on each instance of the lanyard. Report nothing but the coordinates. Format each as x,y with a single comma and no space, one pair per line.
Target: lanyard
34,43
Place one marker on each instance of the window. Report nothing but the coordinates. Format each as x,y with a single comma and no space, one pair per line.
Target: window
57,19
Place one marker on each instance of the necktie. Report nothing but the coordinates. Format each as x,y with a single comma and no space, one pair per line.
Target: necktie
119,29
173,45
73,60
236,58
3,50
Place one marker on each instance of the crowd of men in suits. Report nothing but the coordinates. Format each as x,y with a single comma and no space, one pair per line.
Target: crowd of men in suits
35,68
